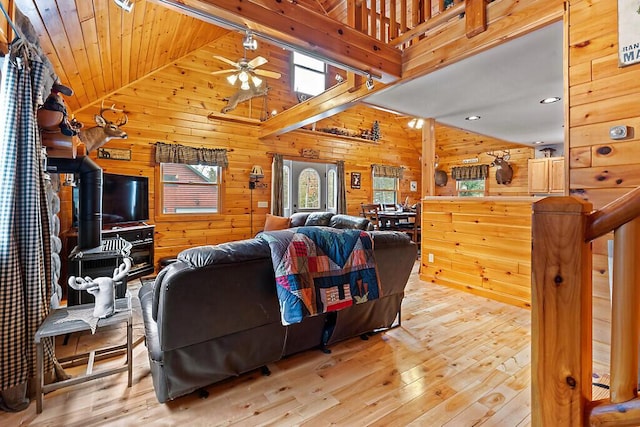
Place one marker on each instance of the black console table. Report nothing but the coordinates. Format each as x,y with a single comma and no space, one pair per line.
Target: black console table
100,262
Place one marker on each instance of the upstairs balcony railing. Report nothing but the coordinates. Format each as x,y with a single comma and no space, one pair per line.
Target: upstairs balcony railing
562,231
402,22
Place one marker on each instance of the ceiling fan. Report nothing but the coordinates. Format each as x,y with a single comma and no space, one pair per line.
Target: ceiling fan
245,71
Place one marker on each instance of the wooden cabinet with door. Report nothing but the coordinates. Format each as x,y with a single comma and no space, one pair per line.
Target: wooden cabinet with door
546,175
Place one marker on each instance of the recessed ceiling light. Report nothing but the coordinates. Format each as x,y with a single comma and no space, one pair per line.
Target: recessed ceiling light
550,100
538,142
471,118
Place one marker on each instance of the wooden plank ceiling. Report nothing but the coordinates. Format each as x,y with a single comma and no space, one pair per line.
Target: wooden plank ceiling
97,48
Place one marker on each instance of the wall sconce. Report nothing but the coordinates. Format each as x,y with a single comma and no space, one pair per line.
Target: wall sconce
254,177
416,123
126,5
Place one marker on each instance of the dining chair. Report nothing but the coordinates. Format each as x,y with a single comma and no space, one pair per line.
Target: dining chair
413,229
370,211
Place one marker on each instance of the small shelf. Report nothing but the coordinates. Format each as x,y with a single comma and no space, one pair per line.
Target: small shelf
344,137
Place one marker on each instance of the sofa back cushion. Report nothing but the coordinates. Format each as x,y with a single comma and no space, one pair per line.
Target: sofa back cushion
349,221
319,218
298,219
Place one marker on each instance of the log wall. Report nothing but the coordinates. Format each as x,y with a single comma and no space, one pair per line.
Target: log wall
481,246
602,95
181,103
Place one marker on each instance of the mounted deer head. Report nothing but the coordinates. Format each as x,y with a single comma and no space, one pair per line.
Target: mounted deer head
95,137
504,171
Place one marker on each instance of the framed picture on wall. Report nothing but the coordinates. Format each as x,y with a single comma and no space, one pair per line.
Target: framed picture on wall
355,179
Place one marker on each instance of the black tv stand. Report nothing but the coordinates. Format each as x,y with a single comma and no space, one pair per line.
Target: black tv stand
141,237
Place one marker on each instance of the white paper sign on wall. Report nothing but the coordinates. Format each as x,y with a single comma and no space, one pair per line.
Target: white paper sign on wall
628,32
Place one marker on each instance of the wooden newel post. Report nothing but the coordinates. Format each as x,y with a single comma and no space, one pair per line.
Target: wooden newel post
560,312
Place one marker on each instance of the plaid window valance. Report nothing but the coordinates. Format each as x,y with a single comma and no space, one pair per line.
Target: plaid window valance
176,153
387,171
460,173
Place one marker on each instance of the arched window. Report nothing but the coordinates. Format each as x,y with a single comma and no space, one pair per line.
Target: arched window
332,190
309,189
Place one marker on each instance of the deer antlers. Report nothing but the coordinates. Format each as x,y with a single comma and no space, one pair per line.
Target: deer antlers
505,155
121,122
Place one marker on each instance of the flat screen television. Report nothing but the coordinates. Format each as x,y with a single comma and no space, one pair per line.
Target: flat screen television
125,199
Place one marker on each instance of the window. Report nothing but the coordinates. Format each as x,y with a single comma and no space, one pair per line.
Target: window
332,190
384,190
190,188
308,75
286,171
471,187
309,189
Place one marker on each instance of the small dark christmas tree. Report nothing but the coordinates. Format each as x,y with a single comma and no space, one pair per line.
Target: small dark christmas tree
375,131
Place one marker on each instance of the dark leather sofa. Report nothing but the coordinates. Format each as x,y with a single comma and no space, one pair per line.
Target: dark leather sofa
214,313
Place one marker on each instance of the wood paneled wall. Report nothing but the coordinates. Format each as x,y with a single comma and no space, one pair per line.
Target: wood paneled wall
175,105
453,145
482,246
602,95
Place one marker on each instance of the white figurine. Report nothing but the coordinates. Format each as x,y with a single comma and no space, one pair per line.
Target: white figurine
102,288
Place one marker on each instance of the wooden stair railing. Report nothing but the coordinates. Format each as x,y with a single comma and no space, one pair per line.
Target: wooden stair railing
562,231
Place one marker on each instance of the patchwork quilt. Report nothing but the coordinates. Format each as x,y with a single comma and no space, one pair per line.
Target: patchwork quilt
321,269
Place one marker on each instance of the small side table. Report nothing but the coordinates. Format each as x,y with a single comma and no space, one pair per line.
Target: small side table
50,328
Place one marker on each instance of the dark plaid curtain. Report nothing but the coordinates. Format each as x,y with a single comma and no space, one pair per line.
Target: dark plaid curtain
342,189
176,153
387,171
461,173
277,185
25,246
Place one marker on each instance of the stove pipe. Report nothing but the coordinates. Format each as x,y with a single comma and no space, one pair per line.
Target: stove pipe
89,195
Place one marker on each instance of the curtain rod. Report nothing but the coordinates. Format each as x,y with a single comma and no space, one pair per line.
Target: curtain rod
298,157
228,149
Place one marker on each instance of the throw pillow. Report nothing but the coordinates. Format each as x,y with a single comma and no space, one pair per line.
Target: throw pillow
274,222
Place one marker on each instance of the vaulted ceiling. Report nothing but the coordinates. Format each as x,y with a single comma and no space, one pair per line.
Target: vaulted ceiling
97,48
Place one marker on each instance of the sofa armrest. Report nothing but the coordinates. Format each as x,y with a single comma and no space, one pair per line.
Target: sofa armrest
395,256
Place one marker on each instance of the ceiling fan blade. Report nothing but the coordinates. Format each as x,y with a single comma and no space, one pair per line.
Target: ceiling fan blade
227,61
267,73
224,71
257,61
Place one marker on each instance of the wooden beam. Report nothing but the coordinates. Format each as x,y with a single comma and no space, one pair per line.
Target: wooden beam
428,157
476,17
290,25
328,103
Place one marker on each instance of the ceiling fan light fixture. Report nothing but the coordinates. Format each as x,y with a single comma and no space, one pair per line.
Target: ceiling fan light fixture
257,81
232,79
245,86
243,76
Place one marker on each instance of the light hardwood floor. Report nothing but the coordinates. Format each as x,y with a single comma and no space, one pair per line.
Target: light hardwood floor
457,360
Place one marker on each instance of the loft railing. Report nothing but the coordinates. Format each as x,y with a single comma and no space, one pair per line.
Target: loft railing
562,231
401,22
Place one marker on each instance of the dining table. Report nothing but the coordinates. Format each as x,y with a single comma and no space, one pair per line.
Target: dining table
390,219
